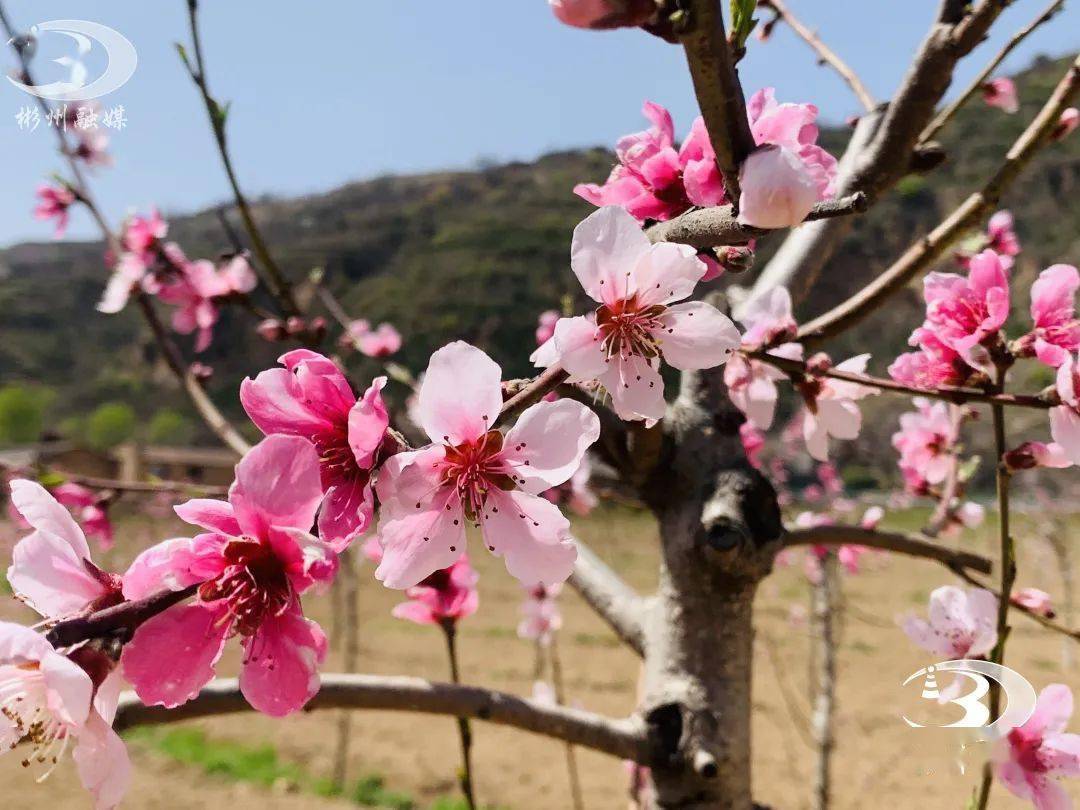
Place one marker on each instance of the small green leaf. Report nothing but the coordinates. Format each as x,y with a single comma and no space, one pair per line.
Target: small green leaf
968,468
742,22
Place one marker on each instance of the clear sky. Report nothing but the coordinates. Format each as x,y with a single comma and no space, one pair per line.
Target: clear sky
327,92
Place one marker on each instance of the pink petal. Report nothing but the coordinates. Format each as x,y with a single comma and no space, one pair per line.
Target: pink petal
281,666
1065,428
368,420
924,636
1053,295
42,511
777,189
47,575
578,347
667,272
277,484
172,656
697,335
461,395
174,564
1061,753
532,536
1053,709
414,611
406,479
421,542
212,515
102,762
606,246
636,389
275,402
548,442
346,512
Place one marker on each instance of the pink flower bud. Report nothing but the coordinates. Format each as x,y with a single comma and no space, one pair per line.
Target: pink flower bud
736,258
603,13
272,330
1069,120
1001,93
295,326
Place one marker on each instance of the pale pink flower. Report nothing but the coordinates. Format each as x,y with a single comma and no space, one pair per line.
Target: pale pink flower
198,291
142,235
251,567
545,326
1068,122
966,312
91,148
51,569
1037,454
1031,756
636,284
1065,418
751,384
48,701
962,623
472,472
541,617
53,203
311,398
603,13
382,341
443,597
782,180
1035,600
935,364
1001,237
130,269
925,439
1053,310
831,409
1001,93
872,517
89,509
768,319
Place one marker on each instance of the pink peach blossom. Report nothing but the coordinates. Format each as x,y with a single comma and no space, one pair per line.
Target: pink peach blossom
53,203
1053,310
751,384
603,13
966,312
541,617
637,323
91,147
831,409
443,597
962,623
1065,418
545,326
925,440
198,291
251,568
1068,122
935,364
142,234
1029,455
1001,93
767,319
1031,756
382,341
1001,237
311,398
1035,600
51,569
48,701
472,472
90,510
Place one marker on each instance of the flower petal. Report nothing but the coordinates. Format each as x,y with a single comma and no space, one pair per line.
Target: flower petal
419,544
281,665
548,442
174,564
531,534
42,511
46,573
277,484
102,761
212,515
637,391
605,249
461,395
578,347
368,421
697,335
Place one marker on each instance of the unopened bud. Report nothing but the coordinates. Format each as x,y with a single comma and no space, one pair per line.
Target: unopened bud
317,329
272,330
201,371
736,258
295,326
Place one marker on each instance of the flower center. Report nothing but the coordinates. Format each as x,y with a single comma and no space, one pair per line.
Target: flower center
254,586
474,468
627,328
24,705
336,458
1026,751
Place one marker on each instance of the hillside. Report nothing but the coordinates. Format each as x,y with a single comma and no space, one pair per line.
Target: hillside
476,255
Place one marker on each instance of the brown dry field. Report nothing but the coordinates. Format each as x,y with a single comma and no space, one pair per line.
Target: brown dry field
879,761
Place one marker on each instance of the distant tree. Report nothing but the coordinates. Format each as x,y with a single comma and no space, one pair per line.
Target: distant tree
110,424
22,413
169,426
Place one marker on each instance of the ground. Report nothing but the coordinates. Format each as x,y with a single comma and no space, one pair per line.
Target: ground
247,761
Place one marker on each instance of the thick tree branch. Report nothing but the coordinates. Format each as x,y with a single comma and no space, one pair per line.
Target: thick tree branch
719,93
947,393
826,55
910,545
624,738
611,598
931,247
946,114
714,227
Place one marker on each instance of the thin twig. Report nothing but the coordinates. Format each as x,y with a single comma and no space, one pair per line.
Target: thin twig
910,545
824,617
623,738
560,698
826,55
931,247
347,584
125,617
465,774
946,114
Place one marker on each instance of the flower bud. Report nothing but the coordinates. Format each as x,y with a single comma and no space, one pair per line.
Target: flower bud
272,330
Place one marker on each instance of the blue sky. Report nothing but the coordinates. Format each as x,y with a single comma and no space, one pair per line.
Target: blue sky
329,92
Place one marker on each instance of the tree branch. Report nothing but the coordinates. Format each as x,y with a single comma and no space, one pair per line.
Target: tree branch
612,599
945,115
178,487
948,393
826,55
126,616
533,391
624,738
931,247
719,93
714,227
896,542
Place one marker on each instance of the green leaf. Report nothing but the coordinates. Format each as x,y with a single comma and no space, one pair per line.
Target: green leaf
742,22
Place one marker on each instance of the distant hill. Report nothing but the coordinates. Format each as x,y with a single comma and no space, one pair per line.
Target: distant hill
476,255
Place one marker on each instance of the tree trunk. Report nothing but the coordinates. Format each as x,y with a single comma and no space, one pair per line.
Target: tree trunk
719,521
